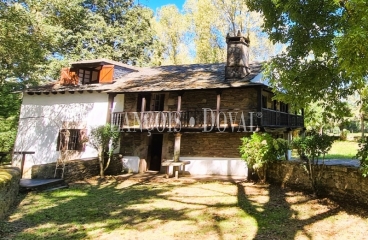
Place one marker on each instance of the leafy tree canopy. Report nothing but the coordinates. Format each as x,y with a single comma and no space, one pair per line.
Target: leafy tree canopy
39,37
326,55
197,33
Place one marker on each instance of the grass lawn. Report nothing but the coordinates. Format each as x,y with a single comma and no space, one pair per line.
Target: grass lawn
179,209
339,150
343,150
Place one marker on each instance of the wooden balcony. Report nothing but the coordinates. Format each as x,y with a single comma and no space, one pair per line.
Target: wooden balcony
204,120
272,118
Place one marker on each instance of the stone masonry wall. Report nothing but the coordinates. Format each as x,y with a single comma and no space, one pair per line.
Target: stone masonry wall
338,182
130,102
76,169
211,144
244,99
9,188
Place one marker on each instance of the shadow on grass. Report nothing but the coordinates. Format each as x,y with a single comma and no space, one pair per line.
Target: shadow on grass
85,209
276,219
85,204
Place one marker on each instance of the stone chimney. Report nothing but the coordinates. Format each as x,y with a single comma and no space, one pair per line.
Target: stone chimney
237,64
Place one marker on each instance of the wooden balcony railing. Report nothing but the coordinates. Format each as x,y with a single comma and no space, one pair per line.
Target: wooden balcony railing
274,118
204,120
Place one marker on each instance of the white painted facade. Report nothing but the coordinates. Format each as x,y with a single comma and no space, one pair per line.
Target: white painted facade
42,116
216,166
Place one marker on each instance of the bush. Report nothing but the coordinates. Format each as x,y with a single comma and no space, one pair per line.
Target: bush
104,139
344,135
362,155
260,149
311,149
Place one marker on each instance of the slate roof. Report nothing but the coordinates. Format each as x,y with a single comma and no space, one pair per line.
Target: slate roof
167,78
104,61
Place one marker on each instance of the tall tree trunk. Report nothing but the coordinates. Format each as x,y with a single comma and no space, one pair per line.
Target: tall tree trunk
101,163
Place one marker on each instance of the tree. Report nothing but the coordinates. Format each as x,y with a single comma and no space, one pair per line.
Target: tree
319,115
198,33
22,43
171,29
311,149
208,37
260,149
128,34
362,107
39,37
105,140
326,56
10,106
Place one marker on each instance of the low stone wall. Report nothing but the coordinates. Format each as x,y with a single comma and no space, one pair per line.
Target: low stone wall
9,188
338,182
76,169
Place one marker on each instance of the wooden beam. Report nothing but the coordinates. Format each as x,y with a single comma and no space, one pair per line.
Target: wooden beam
218,105
143,108
110,106
179,103
177,153
259,104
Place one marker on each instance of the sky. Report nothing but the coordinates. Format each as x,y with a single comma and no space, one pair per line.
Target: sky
154,4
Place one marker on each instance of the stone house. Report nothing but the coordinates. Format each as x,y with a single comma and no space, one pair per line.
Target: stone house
194,112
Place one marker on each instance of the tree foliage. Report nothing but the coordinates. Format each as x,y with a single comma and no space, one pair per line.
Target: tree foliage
171,29
325,56
105,140
260,149
197,34
319,115
311,149
39,37
362,155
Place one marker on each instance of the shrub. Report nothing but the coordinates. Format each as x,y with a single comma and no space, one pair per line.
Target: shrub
260,149
104,139
344,134
362,155
311,149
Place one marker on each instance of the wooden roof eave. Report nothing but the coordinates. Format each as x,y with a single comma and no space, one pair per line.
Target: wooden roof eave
183,89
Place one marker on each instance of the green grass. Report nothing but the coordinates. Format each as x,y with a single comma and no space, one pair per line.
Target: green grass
178,209
339,150
343,150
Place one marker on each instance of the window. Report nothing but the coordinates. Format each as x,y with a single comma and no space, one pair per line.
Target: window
274,105
87,76
72,139
284,107
139,102
264,101
157,102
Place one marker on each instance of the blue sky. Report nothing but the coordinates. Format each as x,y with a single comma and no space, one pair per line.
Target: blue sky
154,4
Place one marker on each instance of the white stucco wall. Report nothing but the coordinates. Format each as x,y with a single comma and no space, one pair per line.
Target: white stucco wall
41,119
216,166
118,103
